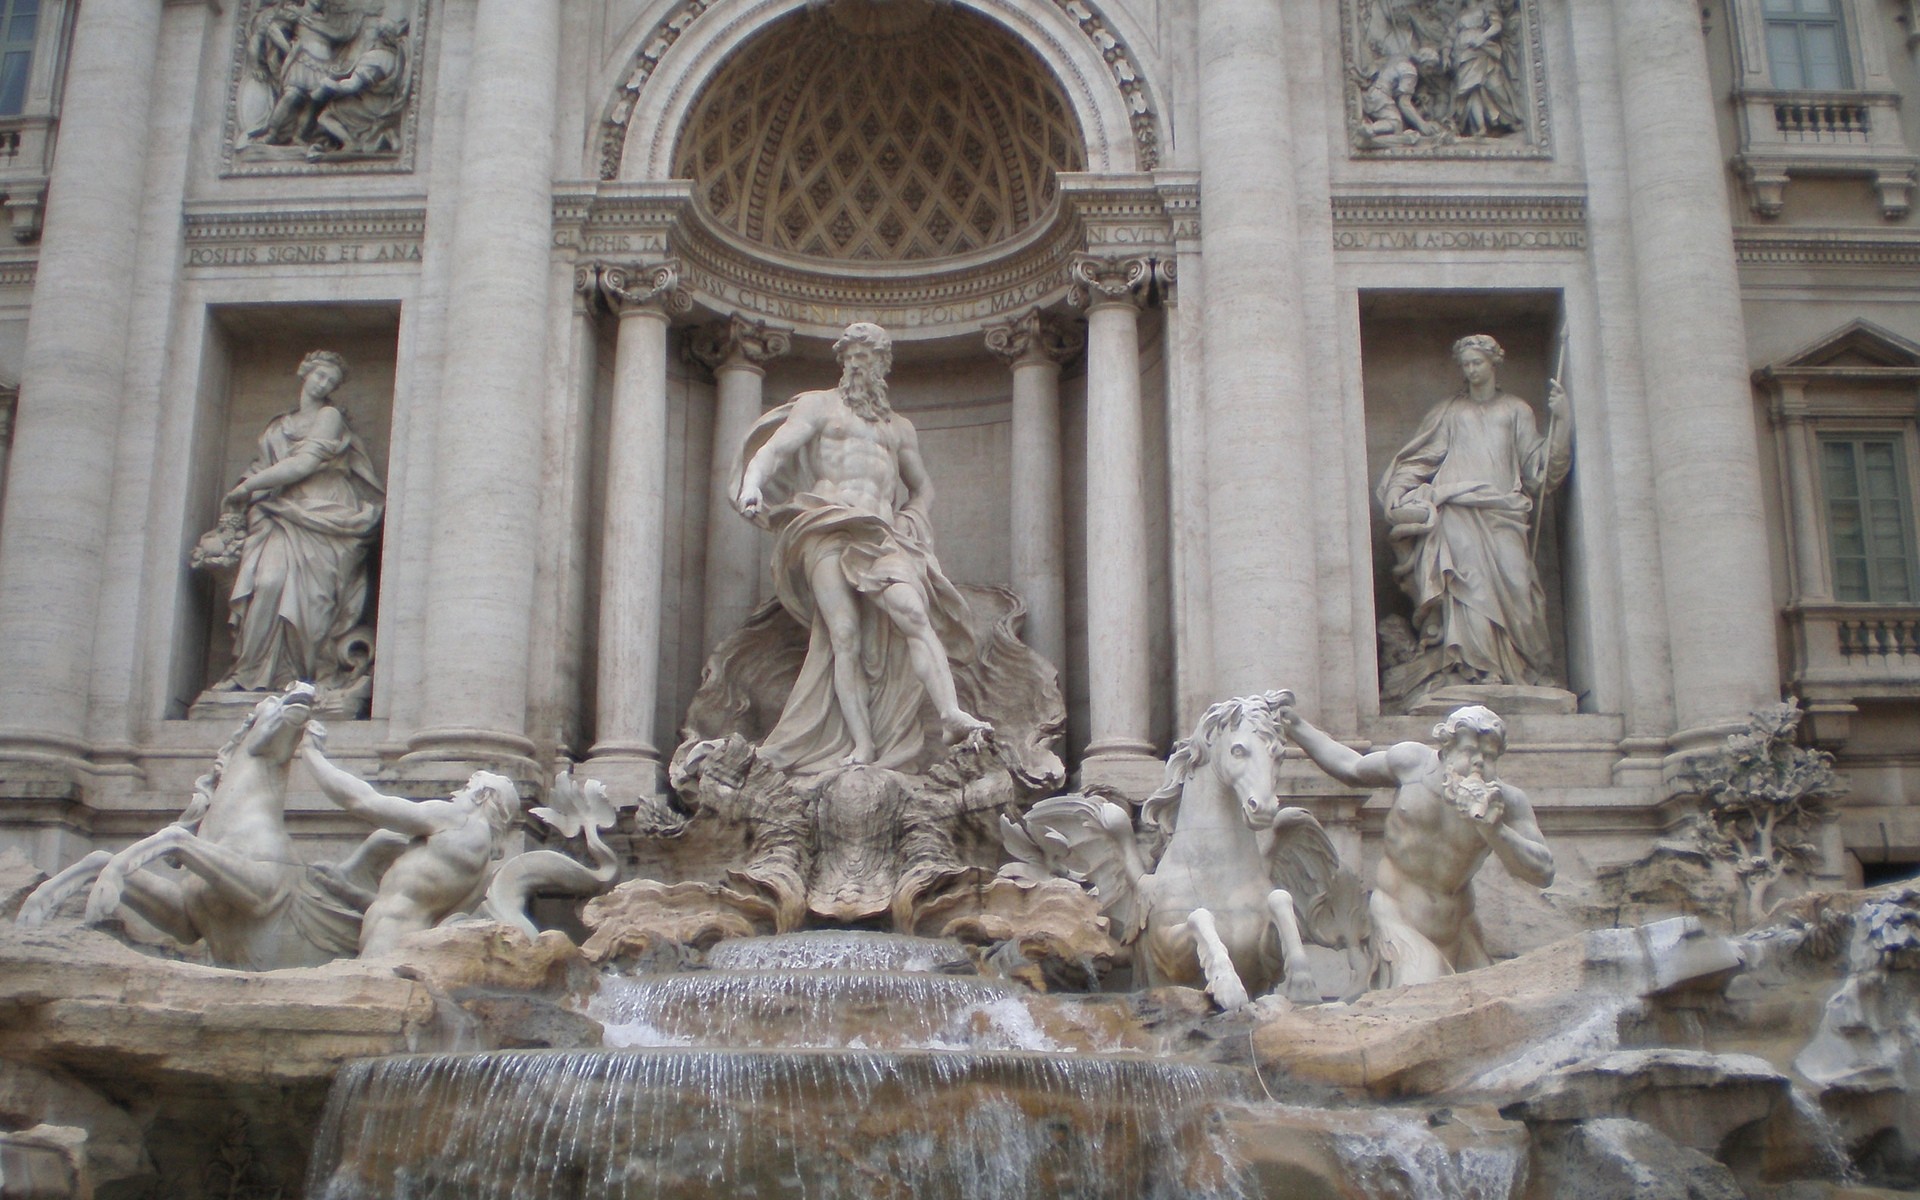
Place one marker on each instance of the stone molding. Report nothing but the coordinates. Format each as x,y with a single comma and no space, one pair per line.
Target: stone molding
737,341
1125,75
1839,249
18,273
1140,214
1530,79
630,287
233,158
303,236
1556,221
1036,335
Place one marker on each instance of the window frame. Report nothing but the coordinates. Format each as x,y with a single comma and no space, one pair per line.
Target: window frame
1799,23
1860,432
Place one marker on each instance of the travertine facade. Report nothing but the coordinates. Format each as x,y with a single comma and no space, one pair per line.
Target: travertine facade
1171,282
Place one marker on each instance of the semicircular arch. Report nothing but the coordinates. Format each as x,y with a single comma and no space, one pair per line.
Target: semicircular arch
673,59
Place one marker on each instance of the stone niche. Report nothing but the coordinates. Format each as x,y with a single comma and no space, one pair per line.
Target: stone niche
1407,367
248,378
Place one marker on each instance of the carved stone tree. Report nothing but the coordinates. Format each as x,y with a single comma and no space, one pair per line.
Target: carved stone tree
1763,799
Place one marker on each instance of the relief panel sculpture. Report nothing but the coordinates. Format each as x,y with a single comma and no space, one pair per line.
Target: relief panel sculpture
292,552
1445,78
320,83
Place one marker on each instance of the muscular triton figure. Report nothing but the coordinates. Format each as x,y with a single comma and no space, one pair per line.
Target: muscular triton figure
451,844
837,475
1448,814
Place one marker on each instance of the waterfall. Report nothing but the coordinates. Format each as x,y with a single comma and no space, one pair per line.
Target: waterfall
609,1125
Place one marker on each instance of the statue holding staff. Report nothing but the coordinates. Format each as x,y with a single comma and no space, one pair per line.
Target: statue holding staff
1461,498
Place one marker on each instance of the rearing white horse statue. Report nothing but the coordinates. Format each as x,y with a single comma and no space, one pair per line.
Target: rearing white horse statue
1235,877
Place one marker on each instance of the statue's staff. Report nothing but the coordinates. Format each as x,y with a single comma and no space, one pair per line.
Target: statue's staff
1539,516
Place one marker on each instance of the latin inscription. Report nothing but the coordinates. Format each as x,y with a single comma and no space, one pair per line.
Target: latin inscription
1459,239
303,254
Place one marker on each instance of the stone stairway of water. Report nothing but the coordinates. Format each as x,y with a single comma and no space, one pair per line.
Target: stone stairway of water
822,1065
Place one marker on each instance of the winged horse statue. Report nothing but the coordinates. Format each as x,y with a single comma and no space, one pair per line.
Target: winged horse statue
1236,882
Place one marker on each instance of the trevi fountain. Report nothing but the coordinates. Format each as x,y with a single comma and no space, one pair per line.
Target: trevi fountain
958,598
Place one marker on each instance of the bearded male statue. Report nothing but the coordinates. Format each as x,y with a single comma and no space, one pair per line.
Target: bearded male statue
837,476
1450,812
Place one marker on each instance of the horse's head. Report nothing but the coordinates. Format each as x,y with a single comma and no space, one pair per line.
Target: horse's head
273,731
1239,742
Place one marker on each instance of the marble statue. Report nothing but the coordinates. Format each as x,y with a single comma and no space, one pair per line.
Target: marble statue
1389,106
297,531
328,77
1238,880
452,850
837,476
1482,76
1449,812
1440,74
243,889
1462,499
575,810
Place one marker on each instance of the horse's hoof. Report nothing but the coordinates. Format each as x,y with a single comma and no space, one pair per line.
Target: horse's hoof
1230,995
1300,985
102,902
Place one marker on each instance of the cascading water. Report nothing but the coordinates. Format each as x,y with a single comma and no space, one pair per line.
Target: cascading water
815,1066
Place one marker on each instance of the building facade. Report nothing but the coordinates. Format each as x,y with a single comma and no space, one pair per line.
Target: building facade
1171,282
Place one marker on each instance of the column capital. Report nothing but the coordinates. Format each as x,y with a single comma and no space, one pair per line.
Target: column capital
737,341
1036,337
1109,279
634,286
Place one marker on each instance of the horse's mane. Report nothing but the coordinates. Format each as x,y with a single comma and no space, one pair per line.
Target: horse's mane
205,786
1162,808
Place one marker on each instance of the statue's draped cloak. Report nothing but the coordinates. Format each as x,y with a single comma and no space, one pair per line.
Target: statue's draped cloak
1477,597
873,554
302,581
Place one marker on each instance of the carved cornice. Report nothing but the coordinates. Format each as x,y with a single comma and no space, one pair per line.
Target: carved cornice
1813,248
303,236
652,48
632,287
1396,221
19,272
737,340
1036,336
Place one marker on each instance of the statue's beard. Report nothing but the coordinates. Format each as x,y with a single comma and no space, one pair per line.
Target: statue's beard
865,393
1470,793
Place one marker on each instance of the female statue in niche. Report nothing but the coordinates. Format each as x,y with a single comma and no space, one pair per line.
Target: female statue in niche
297,528
1461,498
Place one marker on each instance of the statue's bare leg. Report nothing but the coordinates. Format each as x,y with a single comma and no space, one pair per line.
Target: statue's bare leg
1301,988
1223,982
839,608
909,614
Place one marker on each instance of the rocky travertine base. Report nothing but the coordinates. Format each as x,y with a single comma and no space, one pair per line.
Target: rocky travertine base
1653,1062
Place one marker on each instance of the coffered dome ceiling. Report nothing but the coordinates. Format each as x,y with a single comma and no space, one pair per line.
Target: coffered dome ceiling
879,132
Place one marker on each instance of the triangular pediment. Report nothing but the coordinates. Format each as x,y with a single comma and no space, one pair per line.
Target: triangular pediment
1856,345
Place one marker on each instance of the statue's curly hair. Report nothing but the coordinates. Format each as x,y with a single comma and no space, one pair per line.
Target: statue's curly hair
1482,342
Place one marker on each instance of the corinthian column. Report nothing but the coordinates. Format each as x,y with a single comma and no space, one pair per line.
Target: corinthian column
735,351
1036,346
633,521
486,493
1119,697
1259,466
1713,538
71,380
